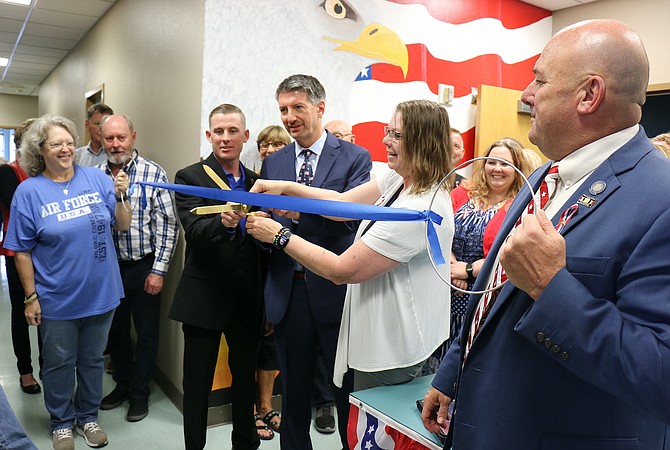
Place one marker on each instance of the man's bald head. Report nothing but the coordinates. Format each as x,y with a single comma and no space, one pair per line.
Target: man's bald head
613,50
341,130
590,81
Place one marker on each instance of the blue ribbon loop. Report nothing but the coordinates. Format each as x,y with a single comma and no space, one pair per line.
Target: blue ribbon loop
313,206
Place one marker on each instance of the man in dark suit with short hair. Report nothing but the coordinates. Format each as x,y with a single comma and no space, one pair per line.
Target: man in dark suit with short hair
305,308
220,290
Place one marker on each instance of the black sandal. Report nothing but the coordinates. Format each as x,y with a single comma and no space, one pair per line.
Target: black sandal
263,427
268,420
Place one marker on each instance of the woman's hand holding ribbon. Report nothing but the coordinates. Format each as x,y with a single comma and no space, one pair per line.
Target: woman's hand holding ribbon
263,228
276,187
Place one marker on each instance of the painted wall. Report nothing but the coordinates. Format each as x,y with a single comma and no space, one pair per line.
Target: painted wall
369,55
649,18
148,55
14,109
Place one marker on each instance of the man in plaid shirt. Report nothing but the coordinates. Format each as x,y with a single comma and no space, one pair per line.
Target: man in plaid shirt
144,253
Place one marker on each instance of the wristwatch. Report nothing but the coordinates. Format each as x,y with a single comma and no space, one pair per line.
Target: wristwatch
468,270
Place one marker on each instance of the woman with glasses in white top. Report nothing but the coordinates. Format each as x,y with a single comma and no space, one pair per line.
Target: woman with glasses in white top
396,310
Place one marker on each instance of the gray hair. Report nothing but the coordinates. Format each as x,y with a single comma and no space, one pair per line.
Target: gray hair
123,116
303,83
35,136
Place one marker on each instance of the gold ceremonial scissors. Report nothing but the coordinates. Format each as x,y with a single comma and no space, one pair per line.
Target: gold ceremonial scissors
216,209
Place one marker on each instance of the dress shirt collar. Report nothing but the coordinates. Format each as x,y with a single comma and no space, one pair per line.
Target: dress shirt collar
316,147
580,163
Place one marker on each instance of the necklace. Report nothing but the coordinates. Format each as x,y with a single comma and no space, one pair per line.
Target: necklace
65,189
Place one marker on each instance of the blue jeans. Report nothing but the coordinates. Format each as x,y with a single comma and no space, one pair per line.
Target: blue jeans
74,348
12,434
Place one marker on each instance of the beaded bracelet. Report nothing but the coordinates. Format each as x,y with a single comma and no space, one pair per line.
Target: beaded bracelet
281,238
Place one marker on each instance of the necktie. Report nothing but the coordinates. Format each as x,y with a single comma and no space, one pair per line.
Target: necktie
548,187
305,176
547,191
306,173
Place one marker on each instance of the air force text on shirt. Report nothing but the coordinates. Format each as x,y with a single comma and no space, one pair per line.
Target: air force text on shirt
71,207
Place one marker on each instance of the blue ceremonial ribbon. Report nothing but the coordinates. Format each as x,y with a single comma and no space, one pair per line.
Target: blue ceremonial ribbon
313,206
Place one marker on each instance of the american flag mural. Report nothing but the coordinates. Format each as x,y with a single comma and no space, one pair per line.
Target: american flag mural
462,43
369,55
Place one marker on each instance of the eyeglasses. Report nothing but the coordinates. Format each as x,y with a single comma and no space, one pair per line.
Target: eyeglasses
57,145
276,145
392,134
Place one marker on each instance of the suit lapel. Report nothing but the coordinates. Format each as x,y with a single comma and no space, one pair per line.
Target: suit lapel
604,181
518,206
286,164
329,154
620,161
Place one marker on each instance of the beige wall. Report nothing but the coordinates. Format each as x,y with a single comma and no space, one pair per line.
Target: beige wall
14,109
148,55
650,18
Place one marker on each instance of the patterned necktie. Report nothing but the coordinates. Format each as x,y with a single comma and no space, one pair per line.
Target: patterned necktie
547,191
548,187
306,173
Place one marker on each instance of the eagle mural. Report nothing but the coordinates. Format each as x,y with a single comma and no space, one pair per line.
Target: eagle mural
369,55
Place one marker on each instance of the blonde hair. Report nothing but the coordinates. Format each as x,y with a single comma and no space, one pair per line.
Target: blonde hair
273,133
662,143
478,184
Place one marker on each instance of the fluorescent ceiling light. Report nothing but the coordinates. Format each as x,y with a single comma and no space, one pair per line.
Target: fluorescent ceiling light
17,2
3,62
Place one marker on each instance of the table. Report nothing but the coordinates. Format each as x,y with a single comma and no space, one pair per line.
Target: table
396,406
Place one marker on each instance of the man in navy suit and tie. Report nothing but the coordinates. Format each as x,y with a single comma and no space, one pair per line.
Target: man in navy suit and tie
575,351
305,308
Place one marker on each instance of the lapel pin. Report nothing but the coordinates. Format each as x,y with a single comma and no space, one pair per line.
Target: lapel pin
587,201
597,187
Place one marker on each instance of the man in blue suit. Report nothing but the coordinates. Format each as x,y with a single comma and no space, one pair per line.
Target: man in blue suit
575,351
305,308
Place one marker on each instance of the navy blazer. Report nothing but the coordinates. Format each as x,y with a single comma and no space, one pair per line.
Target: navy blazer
586,366
341,166
221,278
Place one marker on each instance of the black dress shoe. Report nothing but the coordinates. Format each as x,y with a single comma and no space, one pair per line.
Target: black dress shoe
138,409
31,388
114,399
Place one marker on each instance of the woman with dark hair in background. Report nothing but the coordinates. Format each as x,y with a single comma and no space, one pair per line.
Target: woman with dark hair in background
10,176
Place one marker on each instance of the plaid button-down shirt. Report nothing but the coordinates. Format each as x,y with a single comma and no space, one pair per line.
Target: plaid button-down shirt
153,229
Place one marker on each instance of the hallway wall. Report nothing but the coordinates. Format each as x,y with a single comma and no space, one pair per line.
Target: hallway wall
148,55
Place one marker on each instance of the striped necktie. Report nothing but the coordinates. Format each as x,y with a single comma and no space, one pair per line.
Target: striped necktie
547,191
